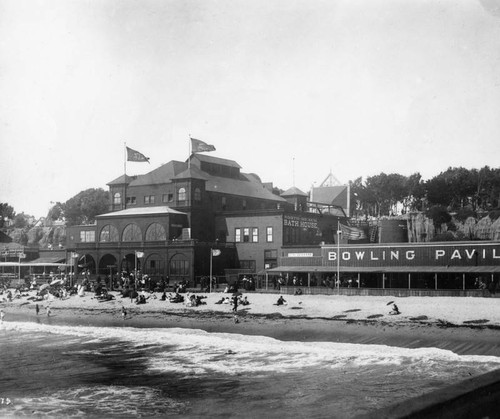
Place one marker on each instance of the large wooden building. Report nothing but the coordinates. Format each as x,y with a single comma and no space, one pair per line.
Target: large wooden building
174,215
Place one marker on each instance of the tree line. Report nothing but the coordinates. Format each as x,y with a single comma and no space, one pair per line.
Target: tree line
80,209
459,190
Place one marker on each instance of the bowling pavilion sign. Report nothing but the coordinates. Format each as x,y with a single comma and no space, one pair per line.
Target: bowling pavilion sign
457,254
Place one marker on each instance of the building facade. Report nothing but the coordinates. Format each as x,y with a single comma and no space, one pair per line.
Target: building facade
175,215
462,268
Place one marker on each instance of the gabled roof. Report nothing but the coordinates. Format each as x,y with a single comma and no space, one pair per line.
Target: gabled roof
330,195
248,185
162,174
293,191
121,180
215,160
159,210
191,173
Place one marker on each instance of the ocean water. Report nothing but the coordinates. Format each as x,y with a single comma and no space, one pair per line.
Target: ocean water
77,371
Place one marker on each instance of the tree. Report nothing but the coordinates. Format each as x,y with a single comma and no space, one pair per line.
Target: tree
415,192
6,211
56,212
439,215
83,207
21,220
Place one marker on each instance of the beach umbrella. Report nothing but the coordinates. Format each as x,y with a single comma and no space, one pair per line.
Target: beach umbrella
390,302
56,281
42,287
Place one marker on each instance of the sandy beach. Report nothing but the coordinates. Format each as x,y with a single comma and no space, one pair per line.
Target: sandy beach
469,326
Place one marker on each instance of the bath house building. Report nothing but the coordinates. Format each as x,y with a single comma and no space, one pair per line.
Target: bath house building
167,223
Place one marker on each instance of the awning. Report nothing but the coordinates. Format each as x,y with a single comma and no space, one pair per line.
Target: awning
403,269
48,259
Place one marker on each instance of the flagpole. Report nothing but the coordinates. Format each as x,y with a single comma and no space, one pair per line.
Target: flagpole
210,279
189,155
125,174
338,256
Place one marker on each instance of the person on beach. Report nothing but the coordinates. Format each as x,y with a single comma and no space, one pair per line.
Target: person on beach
235,303
124,313
48,311
281,301
37,309
395,309
2,315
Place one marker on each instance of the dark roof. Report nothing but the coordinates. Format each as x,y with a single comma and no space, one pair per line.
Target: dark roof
248,185
51,259
293,191
191,173
4,238
215,160
162,174
121,180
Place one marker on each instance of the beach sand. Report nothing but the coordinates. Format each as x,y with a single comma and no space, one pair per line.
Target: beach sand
466,326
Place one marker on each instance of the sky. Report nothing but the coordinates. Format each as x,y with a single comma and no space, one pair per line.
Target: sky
292,90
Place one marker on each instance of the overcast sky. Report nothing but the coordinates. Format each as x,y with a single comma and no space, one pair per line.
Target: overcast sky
290,90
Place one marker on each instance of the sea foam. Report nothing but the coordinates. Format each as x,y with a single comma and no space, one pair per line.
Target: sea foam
192,351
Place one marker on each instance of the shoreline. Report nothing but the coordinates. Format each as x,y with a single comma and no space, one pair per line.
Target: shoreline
466,326
460,339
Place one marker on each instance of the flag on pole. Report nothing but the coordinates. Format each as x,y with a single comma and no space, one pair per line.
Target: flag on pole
216,252
352,233
133,155
139,254
198,146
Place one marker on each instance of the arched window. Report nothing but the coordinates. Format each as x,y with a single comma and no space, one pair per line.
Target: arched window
181,195
109,233
117,198
197,195
132,233
156,232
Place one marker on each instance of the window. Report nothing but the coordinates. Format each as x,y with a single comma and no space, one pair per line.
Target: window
244,204
224,203
248,264
87,236
167,197
132,233
246,237
156,232
269,234
149,199
181,195
271,254
270,258
179,268
131,200
109,233
197,195
117,198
